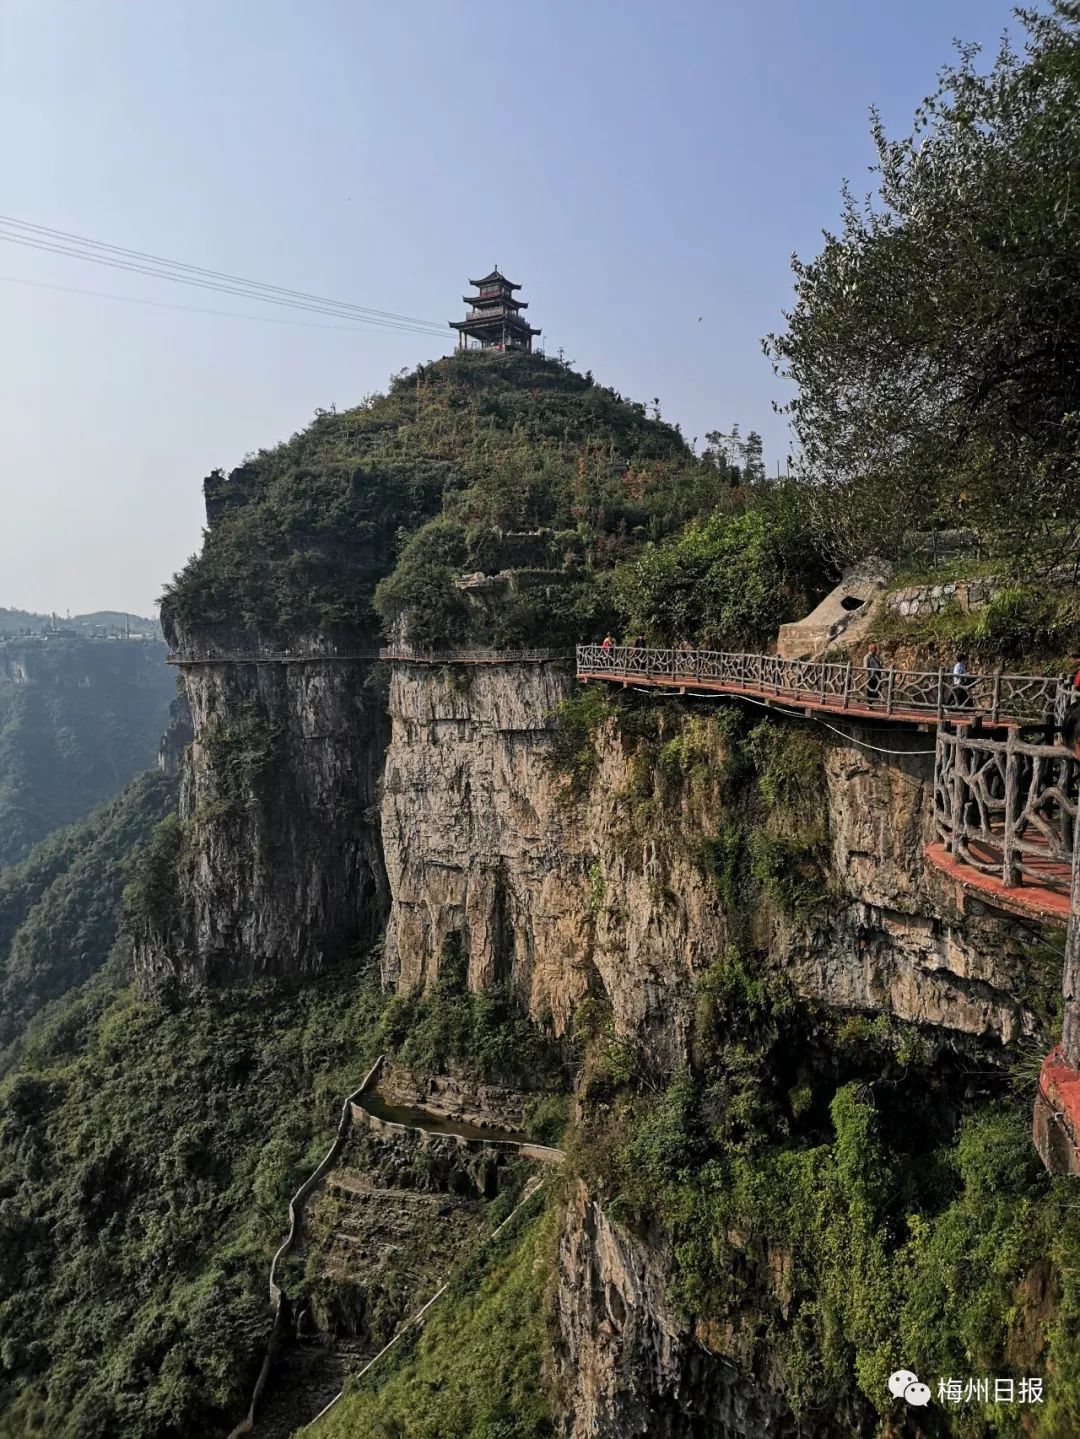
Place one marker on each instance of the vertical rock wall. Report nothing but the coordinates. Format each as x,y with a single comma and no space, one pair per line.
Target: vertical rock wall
280,863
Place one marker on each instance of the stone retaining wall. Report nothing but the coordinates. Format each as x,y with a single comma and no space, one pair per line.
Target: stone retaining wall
915,601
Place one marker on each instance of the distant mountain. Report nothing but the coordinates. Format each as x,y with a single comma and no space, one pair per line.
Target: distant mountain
79,718
97,623
59,906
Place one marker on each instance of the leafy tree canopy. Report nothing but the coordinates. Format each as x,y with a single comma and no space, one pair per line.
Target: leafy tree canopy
935,340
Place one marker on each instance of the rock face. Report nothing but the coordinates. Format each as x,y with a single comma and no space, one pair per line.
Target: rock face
476,844
280,861
630,1367
483,844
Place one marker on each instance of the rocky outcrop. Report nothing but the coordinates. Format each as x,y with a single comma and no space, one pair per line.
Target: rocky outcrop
280,863
484,846
629,1365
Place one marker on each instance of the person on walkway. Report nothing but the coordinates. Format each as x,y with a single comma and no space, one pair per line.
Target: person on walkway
607,646
1076,675
872,666
1070,729
961,693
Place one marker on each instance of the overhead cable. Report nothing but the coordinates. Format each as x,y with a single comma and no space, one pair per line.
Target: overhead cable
250,290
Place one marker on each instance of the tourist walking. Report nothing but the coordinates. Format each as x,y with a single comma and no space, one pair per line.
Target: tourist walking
872,666
961,693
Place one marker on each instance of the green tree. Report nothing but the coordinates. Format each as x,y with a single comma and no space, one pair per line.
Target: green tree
935,340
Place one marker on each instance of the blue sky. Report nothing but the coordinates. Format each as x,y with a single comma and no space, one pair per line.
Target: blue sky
634,165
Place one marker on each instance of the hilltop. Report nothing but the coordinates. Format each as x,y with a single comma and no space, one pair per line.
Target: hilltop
481,464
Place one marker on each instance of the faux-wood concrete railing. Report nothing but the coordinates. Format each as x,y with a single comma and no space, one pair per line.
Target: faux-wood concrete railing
908,695
1007,808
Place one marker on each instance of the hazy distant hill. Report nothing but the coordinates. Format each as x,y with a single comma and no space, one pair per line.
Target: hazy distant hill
59,906
79,718
21,622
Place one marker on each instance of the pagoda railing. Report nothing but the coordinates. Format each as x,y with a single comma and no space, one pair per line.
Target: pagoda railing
1007,808
934,694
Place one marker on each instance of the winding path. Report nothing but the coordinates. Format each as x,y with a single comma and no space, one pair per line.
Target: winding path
354,1111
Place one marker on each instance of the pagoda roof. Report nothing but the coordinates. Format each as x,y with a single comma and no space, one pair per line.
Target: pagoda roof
480,300
495,278
478,322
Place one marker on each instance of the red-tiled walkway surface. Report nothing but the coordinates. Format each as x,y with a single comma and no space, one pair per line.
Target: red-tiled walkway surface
1047,903
1056,1122
859,708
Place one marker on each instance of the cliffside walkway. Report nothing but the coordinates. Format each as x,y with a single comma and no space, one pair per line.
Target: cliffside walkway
362,1108
266,657
899,696
402,654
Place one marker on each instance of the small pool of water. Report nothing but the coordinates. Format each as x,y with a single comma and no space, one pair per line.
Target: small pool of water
376,1105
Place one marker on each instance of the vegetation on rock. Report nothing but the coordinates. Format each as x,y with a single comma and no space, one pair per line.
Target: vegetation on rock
60,907
79,718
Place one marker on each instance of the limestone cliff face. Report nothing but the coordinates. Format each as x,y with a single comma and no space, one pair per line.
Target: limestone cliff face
280,862
630,1367
481,840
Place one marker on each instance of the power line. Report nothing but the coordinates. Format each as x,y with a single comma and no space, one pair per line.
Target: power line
188,309
244,289
142,255
132,268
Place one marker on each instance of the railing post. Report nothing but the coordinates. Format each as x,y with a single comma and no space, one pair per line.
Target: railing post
957,800
995,697
940,692
1010,875
847,684
1070,980
888,690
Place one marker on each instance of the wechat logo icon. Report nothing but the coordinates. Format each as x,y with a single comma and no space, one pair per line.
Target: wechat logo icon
904,1384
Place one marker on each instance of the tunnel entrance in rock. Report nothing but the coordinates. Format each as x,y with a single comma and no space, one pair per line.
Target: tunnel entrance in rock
851,602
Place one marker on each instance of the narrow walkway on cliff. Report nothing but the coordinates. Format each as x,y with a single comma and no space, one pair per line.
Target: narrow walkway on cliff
1005,808
897,695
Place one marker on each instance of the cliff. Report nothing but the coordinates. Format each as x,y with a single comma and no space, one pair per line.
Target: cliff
720,920
278,863
606,891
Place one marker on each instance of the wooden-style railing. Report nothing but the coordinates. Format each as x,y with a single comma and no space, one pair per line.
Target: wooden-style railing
1007,808
904,694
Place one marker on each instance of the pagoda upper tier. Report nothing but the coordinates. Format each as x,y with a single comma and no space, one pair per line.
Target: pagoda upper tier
495,320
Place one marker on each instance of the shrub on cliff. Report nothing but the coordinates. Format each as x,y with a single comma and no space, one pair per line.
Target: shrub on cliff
727,581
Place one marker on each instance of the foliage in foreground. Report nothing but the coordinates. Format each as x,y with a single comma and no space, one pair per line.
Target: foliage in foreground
148,1148
59,908
933,341
474,1372
146,1155
817,1188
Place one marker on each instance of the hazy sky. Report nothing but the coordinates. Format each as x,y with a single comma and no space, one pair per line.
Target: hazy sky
634,164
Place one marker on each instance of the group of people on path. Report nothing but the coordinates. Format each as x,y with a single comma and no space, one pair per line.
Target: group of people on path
961,694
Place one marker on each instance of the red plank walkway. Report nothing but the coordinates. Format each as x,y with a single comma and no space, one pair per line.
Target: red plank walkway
1045,903
895,695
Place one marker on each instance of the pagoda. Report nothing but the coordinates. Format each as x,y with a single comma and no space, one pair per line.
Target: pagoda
495,320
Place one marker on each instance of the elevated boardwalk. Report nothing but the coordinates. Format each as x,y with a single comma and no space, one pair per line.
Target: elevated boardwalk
899,696
397,654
